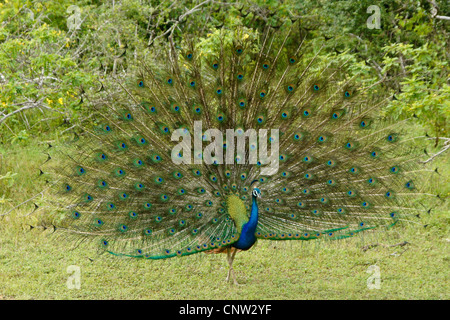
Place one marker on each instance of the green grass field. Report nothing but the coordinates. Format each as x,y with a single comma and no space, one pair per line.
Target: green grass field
33,262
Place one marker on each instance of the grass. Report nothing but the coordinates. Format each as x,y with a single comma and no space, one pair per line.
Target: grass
33,262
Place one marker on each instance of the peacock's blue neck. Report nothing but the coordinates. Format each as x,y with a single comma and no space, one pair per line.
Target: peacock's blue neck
247,237
253,221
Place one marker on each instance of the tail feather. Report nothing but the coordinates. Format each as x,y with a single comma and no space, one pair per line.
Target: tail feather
343,169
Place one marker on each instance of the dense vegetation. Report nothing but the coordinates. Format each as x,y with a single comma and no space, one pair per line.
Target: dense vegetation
51,51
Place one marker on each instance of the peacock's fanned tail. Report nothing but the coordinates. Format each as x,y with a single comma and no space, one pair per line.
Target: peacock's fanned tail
342,168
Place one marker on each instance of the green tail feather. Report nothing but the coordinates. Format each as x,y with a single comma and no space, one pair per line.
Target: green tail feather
342,169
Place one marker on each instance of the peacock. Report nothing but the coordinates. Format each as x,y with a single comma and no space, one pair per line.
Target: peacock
259,136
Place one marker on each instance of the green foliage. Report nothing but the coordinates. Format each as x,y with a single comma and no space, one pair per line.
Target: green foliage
424,89
46,66
7,179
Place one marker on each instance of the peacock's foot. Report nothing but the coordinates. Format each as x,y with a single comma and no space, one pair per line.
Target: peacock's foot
231,272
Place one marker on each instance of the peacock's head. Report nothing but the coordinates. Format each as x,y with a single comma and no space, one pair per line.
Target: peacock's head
256,193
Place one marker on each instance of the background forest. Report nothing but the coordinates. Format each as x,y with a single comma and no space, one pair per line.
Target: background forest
50,51
53,54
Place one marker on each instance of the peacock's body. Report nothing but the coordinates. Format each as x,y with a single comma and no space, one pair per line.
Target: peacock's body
172,167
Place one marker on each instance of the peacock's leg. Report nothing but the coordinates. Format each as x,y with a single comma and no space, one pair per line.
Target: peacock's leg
230,258
229,263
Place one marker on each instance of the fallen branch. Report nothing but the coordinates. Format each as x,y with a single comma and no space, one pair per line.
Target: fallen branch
370,246
444,148
31,105
26,201
180,19
434,11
